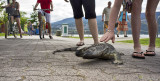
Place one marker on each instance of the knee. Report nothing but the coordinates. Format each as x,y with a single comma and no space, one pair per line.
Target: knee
149,13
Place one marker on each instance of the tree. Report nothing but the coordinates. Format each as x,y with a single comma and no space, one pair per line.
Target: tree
2,14
23,18
34,17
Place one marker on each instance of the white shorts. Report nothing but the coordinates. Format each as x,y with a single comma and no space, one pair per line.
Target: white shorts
47,15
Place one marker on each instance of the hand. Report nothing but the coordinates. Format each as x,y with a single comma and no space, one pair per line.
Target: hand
34,9
2,6
51,10
108,36
66,0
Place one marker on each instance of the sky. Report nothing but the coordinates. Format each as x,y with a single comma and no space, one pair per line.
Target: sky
63,10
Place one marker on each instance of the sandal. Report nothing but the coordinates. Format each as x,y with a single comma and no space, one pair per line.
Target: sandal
137,56
80,44
153,53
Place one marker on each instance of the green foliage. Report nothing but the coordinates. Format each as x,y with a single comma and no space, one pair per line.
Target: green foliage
23,19
2,17
1,3
144,42
34,17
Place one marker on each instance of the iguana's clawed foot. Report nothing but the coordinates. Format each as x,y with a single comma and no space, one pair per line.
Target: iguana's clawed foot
119,62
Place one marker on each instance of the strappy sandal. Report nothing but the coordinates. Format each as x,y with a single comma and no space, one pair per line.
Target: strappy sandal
139,57
80,44
153,53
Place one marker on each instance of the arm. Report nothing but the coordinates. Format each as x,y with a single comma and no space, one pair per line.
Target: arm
128,18
102,17
36,6
6,6
51,6
109,35
18,6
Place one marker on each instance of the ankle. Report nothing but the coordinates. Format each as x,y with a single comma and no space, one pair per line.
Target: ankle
151,48
137,50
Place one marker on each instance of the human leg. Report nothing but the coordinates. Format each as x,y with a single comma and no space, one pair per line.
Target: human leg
104,29
136,26
90,14
19,26
78,14
93,29
152,25
80,30
48,22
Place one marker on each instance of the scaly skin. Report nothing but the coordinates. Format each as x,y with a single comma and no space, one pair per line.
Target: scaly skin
102,51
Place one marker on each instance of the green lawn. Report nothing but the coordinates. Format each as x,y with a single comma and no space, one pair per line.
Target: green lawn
78,37
143,41
2,34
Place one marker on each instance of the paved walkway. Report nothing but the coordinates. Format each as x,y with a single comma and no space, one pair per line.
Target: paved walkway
31,59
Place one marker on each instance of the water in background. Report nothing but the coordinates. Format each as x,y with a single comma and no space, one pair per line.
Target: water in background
100,35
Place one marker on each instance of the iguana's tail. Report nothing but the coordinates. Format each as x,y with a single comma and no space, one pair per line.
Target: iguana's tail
66,49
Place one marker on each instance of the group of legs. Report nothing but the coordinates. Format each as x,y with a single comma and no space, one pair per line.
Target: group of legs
13,18
136,26
47,16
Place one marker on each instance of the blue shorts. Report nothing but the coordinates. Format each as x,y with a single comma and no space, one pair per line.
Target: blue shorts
16,16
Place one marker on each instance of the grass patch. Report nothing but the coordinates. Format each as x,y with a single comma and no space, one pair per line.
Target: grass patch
78,37
144,41
3,34
74,37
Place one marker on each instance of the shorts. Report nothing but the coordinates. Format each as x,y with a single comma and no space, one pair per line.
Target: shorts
47,15
105,24
16,16
89,8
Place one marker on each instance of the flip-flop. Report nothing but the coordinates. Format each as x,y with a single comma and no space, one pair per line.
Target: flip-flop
139,57
80,44
153,53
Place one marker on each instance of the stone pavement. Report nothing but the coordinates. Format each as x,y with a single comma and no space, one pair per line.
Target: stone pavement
31,59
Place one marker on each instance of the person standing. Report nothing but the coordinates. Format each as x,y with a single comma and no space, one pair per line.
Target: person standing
122,21
25,28
106,13
30,28
90,14
45,4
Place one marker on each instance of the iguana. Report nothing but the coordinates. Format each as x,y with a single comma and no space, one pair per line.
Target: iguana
101,50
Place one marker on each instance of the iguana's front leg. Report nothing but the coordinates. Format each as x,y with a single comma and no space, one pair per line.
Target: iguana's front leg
117,59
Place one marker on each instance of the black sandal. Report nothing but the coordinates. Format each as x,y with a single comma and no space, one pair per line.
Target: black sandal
150,54
139,57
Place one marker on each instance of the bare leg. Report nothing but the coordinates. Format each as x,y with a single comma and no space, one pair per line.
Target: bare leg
152,24
118,33
12,19
104,29
49,28
93,29
136,24
19,26
39,16
125,33
80,29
